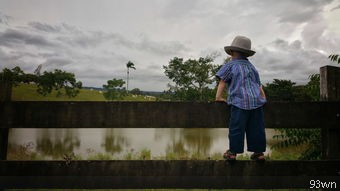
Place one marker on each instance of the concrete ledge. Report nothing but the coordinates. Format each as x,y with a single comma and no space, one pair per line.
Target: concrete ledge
166,174
160,115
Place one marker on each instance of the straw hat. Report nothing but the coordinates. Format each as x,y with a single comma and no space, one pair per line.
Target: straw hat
240,44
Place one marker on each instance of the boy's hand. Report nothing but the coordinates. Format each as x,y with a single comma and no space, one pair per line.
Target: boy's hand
220,99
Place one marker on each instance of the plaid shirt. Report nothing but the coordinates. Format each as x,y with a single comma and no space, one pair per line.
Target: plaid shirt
243,84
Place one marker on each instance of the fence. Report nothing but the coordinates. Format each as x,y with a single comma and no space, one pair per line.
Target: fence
172,173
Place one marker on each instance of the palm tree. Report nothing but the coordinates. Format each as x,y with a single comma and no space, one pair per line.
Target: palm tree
334,58
128,66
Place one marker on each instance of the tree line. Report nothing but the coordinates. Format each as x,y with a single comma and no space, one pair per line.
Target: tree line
192,80
64,83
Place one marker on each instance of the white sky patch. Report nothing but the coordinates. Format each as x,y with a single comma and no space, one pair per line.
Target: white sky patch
333,17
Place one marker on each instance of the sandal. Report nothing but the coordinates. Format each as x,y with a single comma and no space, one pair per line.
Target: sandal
257,157
228,155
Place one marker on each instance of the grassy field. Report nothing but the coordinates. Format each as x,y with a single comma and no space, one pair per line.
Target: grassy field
28,92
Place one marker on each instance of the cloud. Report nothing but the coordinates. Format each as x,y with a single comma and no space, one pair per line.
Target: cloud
56,62
4,19
281,59
95,40
161,48
335,8
307,10
13,37
177,8
45,27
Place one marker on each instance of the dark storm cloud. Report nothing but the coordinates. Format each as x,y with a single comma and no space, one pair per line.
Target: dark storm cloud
57,62
92,39
22,54
15,37
44,27
61,28
12,59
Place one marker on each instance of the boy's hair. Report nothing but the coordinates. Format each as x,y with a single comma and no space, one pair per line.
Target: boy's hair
242,54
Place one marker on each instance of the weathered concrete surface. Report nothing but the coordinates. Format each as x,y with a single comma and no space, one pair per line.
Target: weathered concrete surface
5,91
330,91
3,143
330,83
5,95
165,174
160,115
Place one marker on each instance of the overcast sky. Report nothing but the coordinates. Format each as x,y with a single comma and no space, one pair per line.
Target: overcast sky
95,39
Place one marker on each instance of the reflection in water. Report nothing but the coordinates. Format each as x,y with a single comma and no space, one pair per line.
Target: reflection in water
115,141
199,141
183,141
178,148
56,143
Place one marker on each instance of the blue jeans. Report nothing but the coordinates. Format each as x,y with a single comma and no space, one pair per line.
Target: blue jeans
251,123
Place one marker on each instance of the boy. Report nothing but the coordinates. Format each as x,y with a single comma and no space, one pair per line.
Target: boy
246,97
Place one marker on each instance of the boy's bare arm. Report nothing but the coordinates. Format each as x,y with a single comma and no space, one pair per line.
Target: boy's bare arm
220,88
262,92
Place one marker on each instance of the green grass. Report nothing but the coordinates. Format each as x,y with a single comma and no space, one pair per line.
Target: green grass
28,92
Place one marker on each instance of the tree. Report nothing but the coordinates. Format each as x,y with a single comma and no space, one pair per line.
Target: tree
296,137
114,89
136,91
334,58
128,66
313,87
280,90
191,77
13,76
58,80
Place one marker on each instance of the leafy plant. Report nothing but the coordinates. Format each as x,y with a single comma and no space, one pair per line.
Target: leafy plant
61,81
298,137
114,89
58,80
191,77
128,66
334,58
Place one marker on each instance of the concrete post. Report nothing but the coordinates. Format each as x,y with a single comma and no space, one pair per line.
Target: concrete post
330,91
5,95
5,90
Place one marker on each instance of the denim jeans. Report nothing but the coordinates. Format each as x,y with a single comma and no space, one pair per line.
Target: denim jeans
251,123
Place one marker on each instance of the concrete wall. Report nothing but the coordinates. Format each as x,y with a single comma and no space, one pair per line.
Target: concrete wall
166,174
159,115
330,83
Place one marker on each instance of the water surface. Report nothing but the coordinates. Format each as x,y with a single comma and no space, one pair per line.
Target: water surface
54,143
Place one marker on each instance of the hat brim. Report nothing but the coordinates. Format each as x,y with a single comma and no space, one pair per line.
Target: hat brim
247,53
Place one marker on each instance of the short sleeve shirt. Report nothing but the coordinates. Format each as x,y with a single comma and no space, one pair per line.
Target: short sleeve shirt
243,84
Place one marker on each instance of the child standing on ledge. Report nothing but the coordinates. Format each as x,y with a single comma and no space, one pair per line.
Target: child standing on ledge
246,97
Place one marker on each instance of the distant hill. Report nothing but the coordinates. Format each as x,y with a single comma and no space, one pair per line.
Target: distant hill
28,92
150,93
93,88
